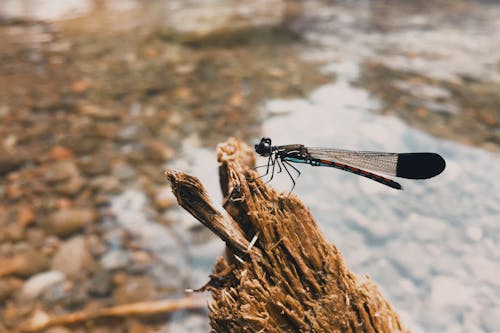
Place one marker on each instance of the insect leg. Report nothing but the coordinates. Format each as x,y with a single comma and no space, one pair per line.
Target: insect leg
289,174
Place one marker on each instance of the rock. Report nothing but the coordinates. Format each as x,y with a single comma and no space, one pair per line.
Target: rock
24,264
134,289
131,133
61,171
164,199
37,284
69,220
115,237
73,257
12,232
97,112
7,288
71,187
97,164
123,171
9,161
114,259
96,246
106,184
100,284
13,192
61,153
447,291
25,215
157,150
107,130
35,236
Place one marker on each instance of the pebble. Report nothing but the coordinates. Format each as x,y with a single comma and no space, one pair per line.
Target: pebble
164,199
123,171
9,161
73,257
107,184
114,237
40,282
97,164
100,284
96,246
130,133
114,259
134,289
12,232
97,112
61,171
157,150
7,288
72,187
24,264
25,215
69,220
448,291
61,153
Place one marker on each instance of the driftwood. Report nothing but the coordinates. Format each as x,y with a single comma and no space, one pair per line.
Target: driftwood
281,275
41,320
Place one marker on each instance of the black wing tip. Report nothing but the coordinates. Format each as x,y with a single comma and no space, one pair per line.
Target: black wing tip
420,165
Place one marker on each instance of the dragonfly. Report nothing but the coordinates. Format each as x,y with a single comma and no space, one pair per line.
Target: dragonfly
362,163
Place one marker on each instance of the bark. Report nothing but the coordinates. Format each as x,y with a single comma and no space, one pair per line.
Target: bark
280,275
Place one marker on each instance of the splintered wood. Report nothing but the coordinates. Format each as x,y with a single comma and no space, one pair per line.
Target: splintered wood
280,275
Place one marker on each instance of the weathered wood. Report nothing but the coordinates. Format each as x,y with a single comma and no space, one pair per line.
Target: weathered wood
292,279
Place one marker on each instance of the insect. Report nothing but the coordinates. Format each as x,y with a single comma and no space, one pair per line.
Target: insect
362,163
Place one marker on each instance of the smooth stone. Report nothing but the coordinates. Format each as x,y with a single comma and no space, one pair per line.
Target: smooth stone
100,284
107,184
73,257
10,161
115,259
61,171
157,150
40,282
123,171
7,288
97,164
71,187
134,289
69,220
24,264
447,291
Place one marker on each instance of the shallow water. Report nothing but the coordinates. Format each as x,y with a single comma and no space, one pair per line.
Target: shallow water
432,248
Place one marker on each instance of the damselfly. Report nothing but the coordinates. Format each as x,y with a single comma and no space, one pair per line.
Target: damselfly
362,163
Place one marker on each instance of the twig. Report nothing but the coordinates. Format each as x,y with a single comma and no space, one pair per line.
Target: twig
41,320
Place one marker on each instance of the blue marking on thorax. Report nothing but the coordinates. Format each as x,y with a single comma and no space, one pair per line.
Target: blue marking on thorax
294,160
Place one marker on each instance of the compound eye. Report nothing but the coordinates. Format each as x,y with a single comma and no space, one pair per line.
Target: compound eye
267,141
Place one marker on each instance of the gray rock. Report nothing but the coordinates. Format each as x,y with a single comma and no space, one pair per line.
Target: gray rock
115,259
40,282
123,171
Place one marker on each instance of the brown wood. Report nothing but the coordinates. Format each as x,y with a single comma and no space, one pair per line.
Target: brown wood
291,279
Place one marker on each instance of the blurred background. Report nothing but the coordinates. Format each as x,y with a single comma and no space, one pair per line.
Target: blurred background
98,98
